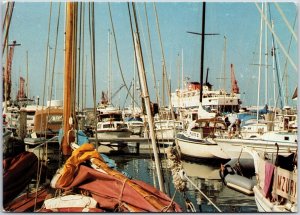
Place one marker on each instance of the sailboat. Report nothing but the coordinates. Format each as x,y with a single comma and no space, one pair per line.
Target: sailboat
86,183
194,141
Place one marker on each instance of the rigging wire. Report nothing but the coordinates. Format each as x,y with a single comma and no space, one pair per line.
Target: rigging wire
79,59
164,61
164,67
184,176
136,66
149,56
10,7
93,65
39,171
156,141
286,61
55,51
145,125
82,49
131,84
291,29
279,96
117,52
276,37
52,77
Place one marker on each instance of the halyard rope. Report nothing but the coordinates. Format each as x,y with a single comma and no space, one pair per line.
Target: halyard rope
179,175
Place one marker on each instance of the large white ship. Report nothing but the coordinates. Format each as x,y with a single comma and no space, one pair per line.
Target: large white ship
215,100
212,100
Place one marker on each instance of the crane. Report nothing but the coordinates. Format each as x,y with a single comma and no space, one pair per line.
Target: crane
7,74
234,86
21,92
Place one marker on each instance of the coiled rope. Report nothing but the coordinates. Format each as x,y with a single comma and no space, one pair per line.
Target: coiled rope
179,176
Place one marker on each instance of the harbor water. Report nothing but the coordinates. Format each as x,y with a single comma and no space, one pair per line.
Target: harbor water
204,175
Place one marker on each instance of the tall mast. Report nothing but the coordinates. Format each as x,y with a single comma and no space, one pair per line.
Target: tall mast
202,51
181,68
145,94
70,52
273,68
27,80
178,71
163,83
259,66
266,58
109,69
133,91
224,65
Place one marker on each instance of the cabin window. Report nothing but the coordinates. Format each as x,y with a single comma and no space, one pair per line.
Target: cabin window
55,119
286,138
108,126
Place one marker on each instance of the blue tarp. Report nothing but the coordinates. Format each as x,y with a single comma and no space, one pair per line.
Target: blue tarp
81,137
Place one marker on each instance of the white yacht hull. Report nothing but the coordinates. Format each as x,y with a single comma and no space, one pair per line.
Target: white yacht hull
264,205
197,148
113,134
234,147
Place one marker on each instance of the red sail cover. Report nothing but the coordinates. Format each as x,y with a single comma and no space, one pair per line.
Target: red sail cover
113,191
17,173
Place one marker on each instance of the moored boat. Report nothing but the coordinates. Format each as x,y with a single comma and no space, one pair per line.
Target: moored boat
111,124
196,141
276,188
113,129
287,142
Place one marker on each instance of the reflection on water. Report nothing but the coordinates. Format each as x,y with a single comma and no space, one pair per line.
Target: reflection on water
205,176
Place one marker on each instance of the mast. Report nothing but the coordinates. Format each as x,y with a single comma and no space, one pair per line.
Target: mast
178,71
224,65
148,109
266,58
273,68
27,80
259,66
163,83
68,75
202,51
134,86
109,69
181,68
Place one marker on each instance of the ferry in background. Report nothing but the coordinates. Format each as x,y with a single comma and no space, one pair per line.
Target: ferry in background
212,100
215,100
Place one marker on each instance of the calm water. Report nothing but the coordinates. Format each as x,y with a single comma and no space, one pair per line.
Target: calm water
205,176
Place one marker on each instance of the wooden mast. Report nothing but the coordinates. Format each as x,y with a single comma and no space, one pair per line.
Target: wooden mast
145,94
68,76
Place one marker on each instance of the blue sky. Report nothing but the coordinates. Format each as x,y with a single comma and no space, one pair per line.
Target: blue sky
239,22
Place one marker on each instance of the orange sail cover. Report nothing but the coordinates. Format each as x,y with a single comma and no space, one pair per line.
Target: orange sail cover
111,189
